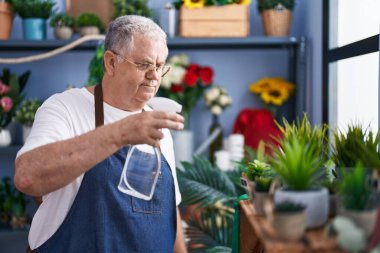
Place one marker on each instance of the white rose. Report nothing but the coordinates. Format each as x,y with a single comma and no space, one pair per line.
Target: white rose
179,59
224,100
175,75
216,110
212,94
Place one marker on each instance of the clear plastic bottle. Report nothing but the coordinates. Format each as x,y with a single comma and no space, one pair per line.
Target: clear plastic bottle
142,166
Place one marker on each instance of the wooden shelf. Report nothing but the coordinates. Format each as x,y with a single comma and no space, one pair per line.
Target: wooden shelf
256,233
258,42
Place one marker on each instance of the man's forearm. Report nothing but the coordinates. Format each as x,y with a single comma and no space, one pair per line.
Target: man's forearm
179,246
52,166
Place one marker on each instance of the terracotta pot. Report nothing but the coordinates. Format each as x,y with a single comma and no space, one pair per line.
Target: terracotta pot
6,20
63,33
276,21
88,30
289,226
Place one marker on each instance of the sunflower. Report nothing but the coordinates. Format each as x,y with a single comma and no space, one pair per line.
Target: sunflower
275,96
242,2
194,3
260,86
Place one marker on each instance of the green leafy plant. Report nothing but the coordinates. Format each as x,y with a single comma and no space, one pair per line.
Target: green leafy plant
11,87
96,67
25,114
131,7
357,145
213,192
298,163
89,19
12,202
62,20
272,4
33,8
262,174
288,207
356,189
309,133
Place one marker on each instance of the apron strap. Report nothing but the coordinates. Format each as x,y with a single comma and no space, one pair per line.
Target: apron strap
99,112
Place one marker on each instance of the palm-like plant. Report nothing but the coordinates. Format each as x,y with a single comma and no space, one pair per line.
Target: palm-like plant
357,145
213,192
356,189
303,153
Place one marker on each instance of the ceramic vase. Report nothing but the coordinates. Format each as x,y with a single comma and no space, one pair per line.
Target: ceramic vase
5,138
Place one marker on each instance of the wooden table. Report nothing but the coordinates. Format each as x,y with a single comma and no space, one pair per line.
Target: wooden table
257,235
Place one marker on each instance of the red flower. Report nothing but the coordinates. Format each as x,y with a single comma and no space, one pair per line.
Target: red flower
206,74
176,88
194,68
190,78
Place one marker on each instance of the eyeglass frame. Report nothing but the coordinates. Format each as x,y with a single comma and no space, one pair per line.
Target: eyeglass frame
139,65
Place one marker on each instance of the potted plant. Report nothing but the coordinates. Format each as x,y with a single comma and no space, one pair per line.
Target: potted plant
216,18
299,162
63,26
276,16
289,220
260,176
89,23
25,115
356,193
357,145
11,87
6,19
5,202
131,7
208,194
34,14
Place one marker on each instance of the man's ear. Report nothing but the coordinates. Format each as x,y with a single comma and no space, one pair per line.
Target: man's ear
109,60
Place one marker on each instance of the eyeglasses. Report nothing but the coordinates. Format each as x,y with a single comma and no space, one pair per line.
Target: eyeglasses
147,67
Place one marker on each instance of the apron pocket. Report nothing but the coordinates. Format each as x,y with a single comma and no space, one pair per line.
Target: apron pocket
153,206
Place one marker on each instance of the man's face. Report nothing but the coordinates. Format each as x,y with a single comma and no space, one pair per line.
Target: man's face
135,84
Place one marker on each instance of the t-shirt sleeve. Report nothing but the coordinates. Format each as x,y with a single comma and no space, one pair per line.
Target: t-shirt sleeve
51,124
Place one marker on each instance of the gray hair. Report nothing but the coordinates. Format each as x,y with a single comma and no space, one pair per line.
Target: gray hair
120,33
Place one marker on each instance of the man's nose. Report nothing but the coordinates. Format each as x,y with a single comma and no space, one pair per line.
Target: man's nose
152,74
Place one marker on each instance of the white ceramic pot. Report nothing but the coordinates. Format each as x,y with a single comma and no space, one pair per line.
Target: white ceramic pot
88,30
5,138
63,33
365,220
25,132
315,201
183,146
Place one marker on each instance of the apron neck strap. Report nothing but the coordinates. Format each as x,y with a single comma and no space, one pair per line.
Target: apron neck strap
99,111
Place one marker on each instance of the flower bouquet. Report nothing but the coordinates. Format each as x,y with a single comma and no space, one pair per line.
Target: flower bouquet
273,91
185,83
25,114
217,100
201,3
11,96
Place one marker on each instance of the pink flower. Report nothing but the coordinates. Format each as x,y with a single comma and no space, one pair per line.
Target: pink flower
3,88
6,103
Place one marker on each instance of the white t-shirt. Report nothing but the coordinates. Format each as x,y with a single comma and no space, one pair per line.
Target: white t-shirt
64,116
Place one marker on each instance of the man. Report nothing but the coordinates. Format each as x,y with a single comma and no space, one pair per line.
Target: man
77,168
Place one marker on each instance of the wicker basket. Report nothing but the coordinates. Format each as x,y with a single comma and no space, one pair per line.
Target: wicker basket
276,22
